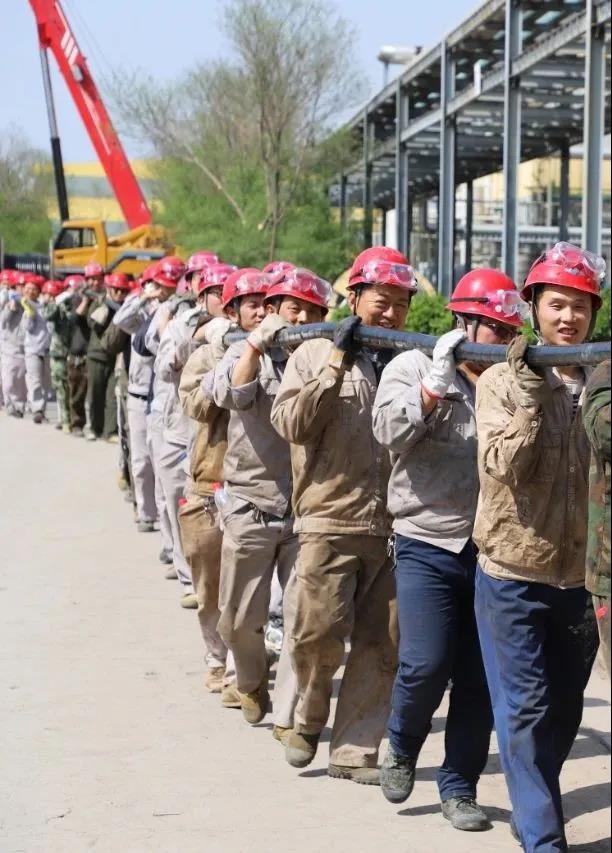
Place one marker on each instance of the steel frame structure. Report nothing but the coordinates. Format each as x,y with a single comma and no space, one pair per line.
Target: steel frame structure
519,79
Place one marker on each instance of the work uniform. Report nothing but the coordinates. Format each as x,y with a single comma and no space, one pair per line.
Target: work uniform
201,534
77,361
344,585
597,422
535,618
58,352
101,370
36,342
433,493
258,525
117,343
130,316
13,358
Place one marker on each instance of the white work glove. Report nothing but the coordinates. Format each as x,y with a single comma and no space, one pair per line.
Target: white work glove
66,296
444,368
264,336
213,328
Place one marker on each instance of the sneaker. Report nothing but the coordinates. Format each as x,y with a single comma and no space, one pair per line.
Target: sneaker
165,557
146,527
214,679
465,814
189,601
230,698
112,439
300,749
255,705
90,435
360,775
397,776
281,734
171,574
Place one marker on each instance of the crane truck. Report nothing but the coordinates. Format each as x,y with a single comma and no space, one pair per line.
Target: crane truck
80,241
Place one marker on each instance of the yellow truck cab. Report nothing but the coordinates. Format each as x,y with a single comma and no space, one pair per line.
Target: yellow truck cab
80,241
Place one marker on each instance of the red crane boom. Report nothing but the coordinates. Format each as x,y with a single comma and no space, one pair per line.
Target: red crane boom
54,33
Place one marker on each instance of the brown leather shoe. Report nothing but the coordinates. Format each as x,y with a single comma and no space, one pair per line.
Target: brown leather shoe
281,734
300,749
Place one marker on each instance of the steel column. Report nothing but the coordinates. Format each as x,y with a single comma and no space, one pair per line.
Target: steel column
594,105
446,203
367,181
564,193
512,138
401,170
469,224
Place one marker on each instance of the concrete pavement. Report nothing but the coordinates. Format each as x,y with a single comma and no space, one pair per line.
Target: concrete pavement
108,741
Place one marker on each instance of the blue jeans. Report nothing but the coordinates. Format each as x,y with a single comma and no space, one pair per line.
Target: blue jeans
438,643
538,643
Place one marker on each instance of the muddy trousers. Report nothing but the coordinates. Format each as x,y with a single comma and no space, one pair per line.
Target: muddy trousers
101,398
539,643
171,470
253,544
345,590
37,382
77,383
202,539
59,381
141,467
155,444
13,382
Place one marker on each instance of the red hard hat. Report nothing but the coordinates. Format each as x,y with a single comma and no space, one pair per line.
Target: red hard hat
32,278
488,293
168,272
135,284
215,276
148,273
382,265
93,269
8,277
199,261
53,287
244,282
74,281
570,266
118,281
301,284
276,267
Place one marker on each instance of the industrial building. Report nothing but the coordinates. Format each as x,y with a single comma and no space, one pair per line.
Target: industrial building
491,145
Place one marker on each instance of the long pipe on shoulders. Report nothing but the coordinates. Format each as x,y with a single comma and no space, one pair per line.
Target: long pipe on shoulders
374,336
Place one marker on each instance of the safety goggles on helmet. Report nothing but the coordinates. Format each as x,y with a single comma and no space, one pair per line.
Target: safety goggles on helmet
507,303
252,282
302,284
576,260
216,276
387,272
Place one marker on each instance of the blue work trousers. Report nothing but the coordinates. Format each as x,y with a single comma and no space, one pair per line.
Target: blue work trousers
438,644
539,643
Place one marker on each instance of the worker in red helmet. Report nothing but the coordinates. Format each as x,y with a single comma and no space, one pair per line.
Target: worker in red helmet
201,533
257,519
36,342
196,264
535,618
7,278
12,344
344,586
425,416
59,348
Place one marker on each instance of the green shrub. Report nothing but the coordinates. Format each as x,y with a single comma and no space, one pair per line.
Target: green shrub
428,315
602,326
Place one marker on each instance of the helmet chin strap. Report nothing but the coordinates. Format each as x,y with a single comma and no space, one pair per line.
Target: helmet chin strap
466,324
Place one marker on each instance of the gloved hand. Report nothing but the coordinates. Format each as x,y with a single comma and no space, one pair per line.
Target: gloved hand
66,296
344,341
530,385
213,328
444,368
264,336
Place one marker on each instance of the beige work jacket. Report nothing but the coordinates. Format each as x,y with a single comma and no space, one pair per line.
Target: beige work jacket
531,522
340,472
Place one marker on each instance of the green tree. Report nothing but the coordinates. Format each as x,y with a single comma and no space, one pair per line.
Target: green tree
602,324
428,314
25,188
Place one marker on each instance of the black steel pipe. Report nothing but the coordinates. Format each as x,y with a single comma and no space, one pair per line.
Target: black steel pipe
374,336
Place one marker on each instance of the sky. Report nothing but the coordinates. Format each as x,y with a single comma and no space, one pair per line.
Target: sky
166,37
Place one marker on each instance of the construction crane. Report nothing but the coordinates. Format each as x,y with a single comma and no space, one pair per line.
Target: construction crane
80,241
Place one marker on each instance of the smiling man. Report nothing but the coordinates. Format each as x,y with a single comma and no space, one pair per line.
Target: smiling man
344,586
535,620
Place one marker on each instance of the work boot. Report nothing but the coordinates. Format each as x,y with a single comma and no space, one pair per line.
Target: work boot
255,705
189,601
146,527
281,734
214,679
397,777
171,574
230,698
300,749
165,557
58,426
38,417
465,814
360,775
